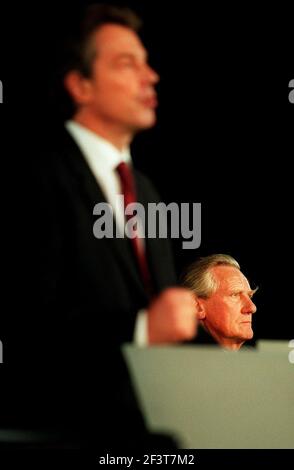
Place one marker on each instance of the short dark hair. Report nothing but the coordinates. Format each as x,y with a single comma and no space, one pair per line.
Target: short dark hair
79,52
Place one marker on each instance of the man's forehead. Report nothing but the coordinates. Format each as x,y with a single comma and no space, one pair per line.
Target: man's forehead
230,277
117,39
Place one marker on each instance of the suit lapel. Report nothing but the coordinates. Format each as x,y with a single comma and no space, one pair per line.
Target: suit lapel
90,191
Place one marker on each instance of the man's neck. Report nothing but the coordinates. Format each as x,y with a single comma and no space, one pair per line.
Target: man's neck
226,343
112,134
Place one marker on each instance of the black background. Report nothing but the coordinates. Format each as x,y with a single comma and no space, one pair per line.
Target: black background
224,135
224,138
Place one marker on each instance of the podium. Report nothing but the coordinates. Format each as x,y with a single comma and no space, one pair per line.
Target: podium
210,398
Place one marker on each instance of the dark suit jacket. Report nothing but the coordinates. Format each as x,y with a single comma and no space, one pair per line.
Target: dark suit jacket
203,337
83,295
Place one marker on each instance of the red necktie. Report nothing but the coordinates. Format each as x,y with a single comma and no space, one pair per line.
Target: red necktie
129,193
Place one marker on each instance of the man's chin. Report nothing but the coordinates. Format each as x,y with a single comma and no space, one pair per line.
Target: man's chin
148,120
248,335
247,331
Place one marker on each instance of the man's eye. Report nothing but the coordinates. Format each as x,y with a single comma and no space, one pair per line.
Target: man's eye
126,63
235,294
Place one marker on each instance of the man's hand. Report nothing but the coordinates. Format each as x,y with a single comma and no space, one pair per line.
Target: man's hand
172,317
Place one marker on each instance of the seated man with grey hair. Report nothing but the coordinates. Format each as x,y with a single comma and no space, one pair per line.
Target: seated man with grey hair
223,299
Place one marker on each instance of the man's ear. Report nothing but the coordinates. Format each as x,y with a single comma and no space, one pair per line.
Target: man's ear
77,86
200,308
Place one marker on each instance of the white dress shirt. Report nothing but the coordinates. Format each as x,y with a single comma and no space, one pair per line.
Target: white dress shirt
103,159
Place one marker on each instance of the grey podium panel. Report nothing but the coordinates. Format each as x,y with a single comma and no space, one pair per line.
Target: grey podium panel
211,398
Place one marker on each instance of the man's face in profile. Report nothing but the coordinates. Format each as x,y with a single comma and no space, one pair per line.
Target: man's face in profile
227,313
121,88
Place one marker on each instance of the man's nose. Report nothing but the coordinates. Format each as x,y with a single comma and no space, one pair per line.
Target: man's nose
249,307
150,75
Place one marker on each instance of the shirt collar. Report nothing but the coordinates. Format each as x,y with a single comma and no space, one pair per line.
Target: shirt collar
99,152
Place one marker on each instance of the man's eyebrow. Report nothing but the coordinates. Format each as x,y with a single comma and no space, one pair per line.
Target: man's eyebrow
252,292
125,54
130,55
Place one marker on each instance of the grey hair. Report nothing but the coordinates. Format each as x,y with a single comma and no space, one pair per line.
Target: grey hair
199,276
